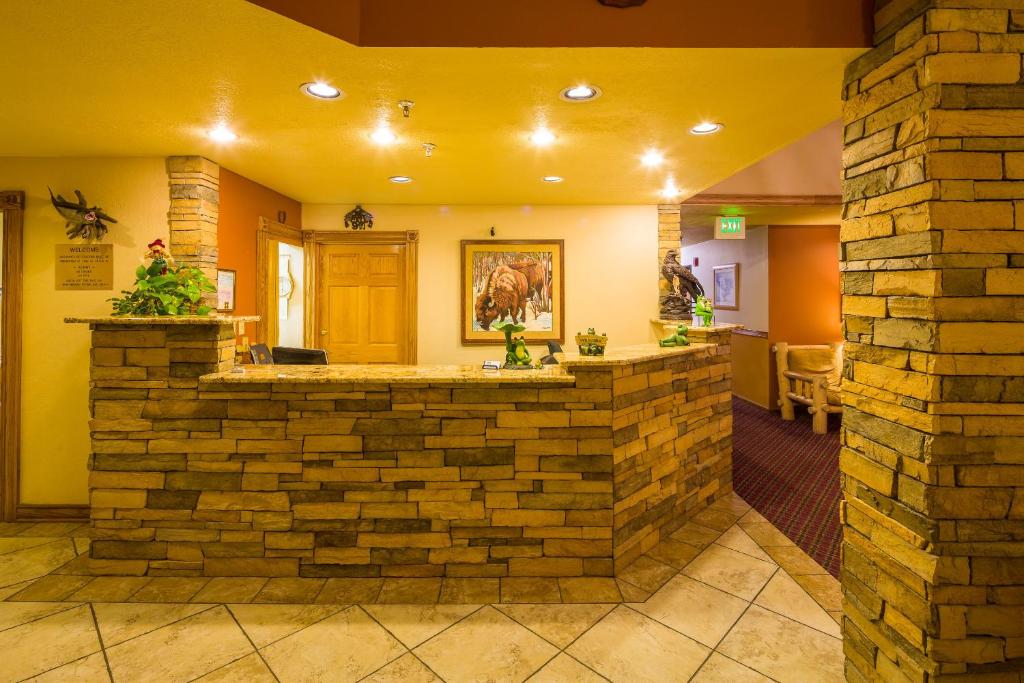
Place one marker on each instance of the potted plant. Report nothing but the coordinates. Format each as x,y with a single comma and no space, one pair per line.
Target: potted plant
161,288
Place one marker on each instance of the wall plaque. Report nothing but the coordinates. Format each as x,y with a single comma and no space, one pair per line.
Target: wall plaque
84,266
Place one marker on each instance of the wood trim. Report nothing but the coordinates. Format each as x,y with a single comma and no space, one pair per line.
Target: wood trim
58,513
705,199
269,230
313,239
13,206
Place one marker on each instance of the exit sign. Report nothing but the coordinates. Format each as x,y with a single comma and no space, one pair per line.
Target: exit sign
730,228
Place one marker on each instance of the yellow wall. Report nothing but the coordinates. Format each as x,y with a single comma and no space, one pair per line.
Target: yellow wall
611,265
55,374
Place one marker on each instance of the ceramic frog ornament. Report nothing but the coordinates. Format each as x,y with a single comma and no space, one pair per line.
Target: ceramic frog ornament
704,310
677,339
516,353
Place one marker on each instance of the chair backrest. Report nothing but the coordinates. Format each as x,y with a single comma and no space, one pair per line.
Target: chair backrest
554,347
816,359
285,355
261,355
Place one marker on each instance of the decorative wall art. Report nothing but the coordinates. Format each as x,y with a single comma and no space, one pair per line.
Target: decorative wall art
516,281
726,294
225,290
359,219
81,220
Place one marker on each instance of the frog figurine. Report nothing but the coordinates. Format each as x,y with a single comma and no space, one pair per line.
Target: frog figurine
516,353
677,339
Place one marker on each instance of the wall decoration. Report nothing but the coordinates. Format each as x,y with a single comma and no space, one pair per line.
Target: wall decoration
81,220
84,266
683,288
726,294
359,218
225,290
520,281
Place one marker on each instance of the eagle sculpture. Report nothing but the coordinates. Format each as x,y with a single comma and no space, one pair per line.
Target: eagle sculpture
680,280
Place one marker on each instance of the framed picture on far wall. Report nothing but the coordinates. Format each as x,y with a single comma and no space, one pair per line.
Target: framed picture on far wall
225,290
726,287
519,281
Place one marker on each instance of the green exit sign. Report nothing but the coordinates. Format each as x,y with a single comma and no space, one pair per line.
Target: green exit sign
730,228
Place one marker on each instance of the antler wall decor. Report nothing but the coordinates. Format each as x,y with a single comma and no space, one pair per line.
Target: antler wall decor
81,220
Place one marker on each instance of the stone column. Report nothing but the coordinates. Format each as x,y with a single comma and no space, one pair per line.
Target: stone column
192,219
933,301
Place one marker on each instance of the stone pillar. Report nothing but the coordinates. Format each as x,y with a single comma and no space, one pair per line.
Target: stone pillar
192,219
933,292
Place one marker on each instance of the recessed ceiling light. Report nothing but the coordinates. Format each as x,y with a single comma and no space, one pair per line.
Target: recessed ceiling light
670,191
321,90
542,137
221,134
552,179
706,128
652,158
400,179
581,93
383,135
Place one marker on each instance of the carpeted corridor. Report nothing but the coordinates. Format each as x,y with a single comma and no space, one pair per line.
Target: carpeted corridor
791,476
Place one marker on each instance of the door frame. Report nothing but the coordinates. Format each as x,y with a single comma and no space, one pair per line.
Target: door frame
266,270
12,204
312,240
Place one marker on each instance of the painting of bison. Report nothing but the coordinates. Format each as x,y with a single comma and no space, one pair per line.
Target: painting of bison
518,282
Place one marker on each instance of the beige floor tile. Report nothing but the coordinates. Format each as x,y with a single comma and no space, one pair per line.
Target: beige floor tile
752,517
346,647
249,669
343,591
16,613
647,573
12,543
784,649
81,544
38,646
121,621
695,534
110,588
170,589
695,609
13,528
529,589
590,589
230,589
557,624
486,646
410,591
837,616
563,669
732,503
290,590
181,651
717,519
721,669
15,588
824,588
414,624
788,598
31,563
268,623
766,535
470,591
52,587
795,561
674,553
730,571
90,669
52,529
631,593
737,539
627,646
405,669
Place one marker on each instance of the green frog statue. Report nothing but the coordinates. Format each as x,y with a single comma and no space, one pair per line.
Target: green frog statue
516,354
677,339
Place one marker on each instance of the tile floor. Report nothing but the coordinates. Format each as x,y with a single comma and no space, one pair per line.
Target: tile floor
727,598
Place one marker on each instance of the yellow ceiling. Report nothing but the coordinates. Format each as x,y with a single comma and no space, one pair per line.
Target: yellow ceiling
113,78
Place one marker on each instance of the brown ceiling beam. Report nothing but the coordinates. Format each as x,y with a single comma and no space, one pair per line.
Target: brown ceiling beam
586,23
705,199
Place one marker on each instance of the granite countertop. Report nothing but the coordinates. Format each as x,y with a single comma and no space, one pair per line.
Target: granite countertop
388,374
627,355
165,320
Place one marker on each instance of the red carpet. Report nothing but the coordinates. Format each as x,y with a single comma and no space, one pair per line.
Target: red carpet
791,476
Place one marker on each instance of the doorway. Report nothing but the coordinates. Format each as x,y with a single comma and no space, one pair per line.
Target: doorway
280,285
12,205
365,295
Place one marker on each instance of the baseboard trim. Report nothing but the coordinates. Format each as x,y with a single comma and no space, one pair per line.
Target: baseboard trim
52,513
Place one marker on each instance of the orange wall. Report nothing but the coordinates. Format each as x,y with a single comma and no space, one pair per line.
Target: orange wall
242,203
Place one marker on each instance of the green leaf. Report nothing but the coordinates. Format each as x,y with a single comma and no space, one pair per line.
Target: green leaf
140,272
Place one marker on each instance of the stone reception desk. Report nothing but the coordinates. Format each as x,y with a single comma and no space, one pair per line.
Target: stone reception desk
572,470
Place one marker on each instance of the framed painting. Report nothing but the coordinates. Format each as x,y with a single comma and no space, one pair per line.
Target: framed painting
225,290
520,281
726,286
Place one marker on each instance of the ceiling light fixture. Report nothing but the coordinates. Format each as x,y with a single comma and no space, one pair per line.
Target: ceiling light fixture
670,191
221,134
552,179
321,90
706,128
542,137
581,93
383,135
400,179
652,158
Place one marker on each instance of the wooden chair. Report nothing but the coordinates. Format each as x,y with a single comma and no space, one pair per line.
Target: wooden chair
810,375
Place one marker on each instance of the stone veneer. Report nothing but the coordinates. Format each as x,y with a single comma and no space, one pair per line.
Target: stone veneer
194,210
570,477
933,429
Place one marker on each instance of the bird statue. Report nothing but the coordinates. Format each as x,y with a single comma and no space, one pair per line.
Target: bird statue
681,282
81,220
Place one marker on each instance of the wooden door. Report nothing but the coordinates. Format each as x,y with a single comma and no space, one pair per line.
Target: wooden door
361,295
